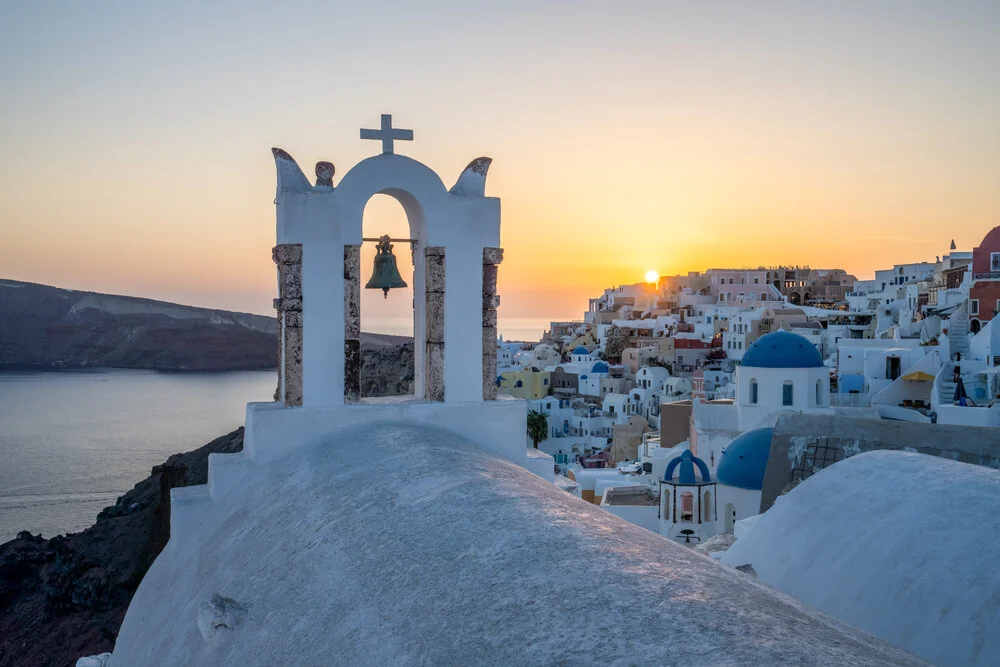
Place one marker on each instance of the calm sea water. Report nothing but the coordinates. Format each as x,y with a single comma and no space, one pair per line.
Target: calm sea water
71,443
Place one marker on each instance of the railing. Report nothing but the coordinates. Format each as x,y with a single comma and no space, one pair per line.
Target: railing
853,400
992,275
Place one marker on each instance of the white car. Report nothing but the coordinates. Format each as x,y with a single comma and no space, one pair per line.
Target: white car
630,467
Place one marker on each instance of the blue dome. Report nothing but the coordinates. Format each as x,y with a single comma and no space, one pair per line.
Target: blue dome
600,367
687,462
581,350
744,460
782,349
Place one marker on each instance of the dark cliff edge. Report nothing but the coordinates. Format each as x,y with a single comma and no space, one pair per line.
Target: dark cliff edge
66,597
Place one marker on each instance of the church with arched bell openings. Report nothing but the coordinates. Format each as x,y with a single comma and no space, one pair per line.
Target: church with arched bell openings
455,240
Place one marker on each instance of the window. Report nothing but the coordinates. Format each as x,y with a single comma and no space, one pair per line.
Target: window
995,261
819,392
973,306
753,392
756,281
786,393
687,506
893,368
706,509
731,281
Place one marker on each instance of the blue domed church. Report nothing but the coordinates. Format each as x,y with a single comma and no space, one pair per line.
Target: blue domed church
780,372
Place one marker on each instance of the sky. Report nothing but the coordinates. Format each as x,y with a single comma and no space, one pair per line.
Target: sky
626,136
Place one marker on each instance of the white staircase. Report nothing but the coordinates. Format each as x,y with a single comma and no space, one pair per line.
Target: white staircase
189,505
958,330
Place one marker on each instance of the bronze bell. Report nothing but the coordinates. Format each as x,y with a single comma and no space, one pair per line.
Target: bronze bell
385,275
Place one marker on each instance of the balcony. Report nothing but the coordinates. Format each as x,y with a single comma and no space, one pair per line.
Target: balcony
852,400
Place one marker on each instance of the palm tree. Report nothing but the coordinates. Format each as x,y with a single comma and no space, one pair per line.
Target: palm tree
538,427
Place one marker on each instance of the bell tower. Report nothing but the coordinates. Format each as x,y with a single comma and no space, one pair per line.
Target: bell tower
455,240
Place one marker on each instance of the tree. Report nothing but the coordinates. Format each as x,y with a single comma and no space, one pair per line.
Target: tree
615,342
538,427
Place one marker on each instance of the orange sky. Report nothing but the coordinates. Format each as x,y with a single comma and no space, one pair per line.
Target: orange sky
658,136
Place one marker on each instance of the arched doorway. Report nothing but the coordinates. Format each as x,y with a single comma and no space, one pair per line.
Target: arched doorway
387,357
975,326
795,298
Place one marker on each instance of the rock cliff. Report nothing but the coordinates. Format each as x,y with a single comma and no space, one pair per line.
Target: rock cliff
66,597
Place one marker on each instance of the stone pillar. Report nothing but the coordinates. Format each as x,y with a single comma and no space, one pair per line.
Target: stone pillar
352,323
434,316
491,300
288,257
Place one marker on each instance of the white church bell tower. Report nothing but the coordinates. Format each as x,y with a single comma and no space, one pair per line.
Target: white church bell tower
455,237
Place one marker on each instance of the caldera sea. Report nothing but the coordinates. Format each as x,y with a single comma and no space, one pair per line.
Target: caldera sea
72,442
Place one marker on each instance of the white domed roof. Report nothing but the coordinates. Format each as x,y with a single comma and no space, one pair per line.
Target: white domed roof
400,544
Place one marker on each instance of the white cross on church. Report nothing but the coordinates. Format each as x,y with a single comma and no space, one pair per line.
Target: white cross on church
387,134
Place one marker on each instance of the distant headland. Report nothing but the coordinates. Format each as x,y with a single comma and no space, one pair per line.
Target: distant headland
49,328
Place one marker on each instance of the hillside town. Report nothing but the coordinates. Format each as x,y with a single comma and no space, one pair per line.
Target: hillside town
752,461
692,373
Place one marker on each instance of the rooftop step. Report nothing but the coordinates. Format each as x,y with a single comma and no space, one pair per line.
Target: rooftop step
225,472
188,507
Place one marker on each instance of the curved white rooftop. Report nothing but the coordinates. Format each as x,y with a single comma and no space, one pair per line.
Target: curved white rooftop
402,545
901,545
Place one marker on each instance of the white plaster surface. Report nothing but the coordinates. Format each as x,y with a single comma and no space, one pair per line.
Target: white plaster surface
901,545
273,429
409,545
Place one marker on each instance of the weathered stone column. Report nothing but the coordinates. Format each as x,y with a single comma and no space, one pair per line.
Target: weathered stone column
434,316
352,323
491,300
288,257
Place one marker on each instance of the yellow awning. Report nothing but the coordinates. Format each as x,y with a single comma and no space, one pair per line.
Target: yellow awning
919,376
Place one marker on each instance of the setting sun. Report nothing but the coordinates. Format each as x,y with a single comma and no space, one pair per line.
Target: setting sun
652,276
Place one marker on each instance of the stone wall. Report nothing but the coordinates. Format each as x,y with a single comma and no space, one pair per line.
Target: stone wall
434,308
804,444
491,301
352,323
288,257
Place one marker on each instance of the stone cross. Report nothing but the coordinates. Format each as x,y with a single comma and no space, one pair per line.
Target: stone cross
387,134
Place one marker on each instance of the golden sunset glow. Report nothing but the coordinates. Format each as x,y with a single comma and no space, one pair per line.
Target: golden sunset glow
652,276
686,142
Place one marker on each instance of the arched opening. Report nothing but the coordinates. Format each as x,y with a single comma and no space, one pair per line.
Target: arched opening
795,298
687,507
787,393
730,518
819,392
975,326
387,358
706,508
753,391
